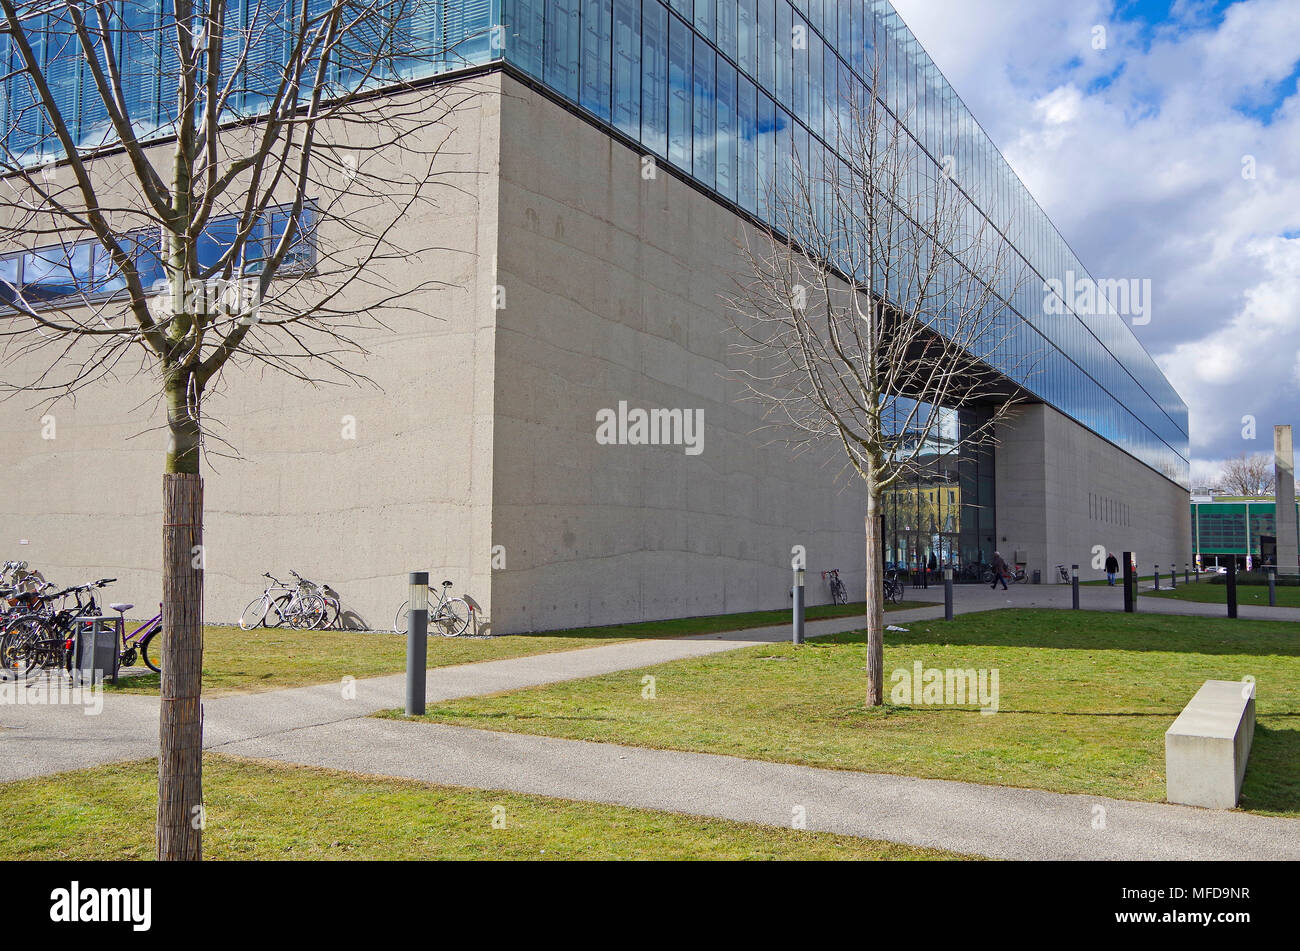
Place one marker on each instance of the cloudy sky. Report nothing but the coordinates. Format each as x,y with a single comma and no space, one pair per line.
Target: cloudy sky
1142,153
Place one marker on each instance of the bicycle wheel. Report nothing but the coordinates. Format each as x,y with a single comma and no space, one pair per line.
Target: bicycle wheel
399,622
838,594
20,641
451,618
254,614
151,651
987,576
310,614
333,611
280,612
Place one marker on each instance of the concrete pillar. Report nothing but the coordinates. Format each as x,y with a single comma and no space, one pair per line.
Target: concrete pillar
1284,465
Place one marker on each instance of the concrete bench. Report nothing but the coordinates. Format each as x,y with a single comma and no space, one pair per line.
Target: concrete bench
1207,746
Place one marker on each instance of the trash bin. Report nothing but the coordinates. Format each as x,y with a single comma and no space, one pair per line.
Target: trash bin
1038,576
95,648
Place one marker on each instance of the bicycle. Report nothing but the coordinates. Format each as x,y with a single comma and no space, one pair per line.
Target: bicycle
839,594
138,641
43,639
299,606
893,588
451,615
1019,575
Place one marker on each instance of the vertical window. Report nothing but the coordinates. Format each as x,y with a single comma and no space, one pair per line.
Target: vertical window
799,69
561,47
747,35
816,95
704,113
783,36
523,21
627,67
704,17
747,145
766,152
654,76
727,27
766,40
680,81
597,16
727,132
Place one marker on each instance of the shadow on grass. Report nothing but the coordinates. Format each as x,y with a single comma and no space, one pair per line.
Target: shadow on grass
1272,782
1099,630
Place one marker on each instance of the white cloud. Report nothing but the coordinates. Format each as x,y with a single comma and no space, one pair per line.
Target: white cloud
1136,153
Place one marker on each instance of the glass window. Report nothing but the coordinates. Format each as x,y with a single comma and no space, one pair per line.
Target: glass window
783,36
765,55
704,113
727,27
523,21
51,273
562,47
627,67
680,79
747,145
107,278
727,130
747,35
654,77
597,16
704,18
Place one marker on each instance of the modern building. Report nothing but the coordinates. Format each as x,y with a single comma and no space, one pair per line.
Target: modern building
615,153
1235,528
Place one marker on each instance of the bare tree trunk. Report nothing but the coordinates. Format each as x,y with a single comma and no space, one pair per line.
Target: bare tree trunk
180,756
875,604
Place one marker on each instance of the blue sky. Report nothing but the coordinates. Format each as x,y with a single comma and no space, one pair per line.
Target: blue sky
1171,153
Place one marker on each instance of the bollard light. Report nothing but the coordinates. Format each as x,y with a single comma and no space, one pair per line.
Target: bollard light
797,595
417,634
1074,587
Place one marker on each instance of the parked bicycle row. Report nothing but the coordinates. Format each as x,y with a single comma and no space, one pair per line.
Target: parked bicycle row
306,605
38,623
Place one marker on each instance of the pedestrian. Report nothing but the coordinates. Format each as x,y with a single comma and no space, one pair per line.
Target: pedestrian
999,571
1112,568
934,566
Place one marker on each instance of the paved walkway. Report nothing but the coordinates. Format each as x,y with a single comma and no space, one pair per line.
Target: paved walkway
995,821
329,725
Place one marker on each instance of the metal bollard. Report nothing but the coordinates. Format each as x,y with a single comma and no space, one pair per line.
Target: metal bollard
1157,577
1186,574
947,593
417,638
1130,584
798,605
1232,588
1272,586
1074,584
1173,577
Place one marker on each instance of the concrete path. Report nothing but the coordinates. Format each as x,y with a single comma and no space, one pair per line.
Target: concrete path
329,725
993,821
37,740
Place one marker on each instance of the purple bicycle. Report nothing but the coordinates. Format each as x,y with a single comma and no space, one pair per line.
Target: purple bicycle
141,639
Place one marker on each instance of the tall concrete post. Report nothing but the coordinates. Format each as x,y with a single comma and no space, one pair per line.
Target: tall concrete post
1287,533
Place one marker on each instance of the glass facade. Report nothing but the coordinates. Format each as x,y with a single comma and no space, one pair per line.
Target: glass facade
728,93
943,514
1235,528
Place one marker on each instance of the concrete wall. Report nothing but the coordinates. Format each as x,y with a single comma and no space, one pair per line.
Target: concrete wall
614,287
1062,491
411,491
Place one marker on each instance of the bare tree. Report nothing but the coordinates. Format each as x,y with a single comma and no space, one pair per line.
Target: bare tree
241,217
873,306
1251,475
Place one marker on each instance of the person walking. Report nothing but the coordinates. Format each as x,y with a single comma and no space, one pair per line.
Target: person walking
999,571
1112,568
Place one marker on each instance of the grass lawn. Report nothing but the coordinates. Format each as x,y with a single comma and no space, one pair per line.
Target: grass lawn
257,810
1288,596
1085,699
275,658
